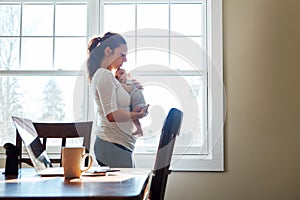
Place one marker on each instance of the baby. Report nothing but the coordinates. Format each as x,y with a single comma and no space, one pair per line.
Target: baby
136,95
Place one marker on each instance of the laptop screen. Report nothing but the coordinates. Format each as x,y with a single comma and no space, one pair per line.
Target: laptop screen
33,144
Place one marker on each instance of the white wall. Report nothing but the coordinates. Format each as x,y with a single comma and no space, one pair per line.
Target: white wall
262,129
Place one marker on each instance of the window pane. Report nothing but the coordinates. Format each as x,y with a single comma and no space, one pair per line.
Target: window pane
152,59
178,62
40,99
119,18
187,19
153,50
148,17
9,20
187,53
70,53
36,53
71,20
186,93
37,20
9,53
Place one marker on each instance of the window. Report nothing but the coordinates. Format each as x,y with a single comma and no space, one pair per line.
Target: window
176,55
42,51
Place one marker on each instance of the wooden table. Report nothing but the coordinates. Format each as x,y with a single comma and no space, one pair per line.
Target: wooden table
126,184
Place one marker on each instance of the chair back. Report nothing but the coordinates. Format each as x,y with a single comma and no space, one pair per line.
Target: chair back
170,130
61,131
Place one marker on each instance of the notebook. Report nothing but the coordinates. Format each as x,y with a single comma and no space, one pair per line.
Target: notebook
38,155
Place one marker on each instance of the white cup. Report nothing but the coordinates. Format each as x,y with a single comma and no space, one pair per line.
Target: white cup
72,161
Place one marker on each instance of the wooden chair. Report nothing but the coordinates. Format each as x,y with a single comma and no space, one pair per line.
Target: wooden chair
170,130
61,131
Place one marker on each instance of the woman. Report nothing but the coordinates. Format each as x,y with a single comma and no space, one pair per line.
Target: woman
114,143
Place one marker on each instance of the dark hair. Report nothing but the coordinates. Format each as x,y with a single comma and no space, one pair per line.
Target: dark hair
96,48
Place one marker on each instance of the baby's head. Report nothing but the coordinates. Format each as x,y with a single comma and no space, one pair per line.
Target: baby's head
121,75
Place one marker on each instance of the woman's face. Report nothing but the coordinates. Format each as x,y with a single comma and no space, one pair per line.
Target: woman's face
118,57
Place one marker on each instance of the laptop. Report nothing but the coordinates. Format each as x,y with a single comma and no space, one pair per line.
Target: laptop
38,155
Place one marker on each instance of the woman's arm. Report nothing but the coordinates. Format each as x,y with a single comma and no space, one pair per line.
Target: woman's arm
124,116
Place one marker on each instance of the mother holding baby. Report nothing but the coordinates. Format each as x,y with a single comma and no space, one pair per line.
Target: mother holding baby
114,142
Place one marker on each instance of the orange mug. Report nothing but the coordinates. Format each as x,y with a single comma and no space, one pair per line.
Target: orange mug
73,161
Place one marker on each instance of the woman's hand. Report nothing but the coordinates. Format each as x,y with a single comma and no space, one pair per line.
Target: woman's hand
144,111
